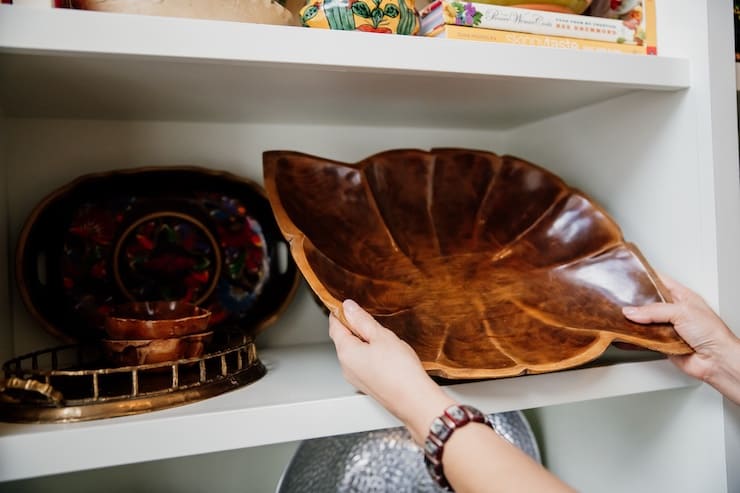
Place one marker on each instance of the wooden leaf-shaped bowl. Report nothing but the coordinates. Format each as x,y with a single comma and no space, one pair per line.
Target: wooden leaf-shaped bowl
487,265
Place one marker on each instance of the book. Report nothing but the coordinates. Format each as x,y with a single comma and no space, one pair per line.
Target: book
635,27
736,17
510,37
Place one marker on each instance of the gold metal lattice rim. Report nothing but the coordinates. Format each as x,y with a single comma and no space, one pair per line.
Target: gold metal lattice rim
237,366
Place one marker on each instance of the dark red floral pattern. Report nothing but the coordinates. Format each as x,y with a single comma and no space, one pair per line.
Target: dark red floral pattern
167,257
222,263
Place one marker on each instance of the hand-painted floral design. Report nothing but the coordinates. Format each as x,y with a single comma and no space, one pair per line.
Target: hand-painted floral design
178,232
85,263
380,16
465,14
167,256
221,262
246,265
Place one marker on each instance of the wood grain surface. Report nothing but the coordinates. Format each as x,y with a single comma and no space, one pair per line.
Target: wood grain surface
487,265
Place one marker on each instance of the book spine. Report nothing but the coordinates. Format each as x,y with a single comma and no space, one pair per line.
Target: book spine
488,16
651,27
528,39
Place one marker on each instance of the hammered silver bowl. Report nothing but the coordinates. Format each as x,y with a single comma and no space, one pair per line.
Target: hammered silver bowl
382,461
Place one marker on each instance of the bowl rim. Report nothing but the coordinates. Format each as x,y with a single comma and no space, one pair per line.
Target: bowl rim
199,312
197,335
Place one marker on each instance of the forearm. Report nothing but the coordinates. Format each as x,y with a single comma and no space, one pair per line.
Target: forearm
725,370
420,410
476,458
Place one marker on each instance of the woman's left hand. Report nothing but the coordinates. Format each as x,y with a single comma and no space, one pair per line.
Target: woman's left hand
378,363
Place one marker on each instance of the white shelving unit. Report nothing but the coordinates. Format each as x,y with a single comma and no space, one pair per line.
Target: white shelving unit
324,404
654,139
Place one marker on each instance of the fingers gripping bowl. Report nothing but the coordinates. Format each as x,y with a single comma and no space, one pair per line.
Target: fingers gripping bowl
487,265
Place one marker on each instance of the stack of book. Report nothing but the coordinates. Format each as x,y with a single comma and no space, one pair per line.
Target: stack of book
634,32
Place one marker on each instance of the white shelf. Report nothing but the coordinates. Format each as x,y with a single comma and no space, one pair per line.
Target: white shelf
303,395
116,66
660,135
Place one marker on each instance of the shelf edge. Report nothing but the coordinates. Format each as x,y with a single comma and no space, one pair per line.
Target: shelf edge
35,449
24,30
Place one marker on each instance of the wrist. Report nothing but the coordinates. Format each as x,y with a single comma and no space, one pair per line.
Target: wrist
442,429
724,372
427,406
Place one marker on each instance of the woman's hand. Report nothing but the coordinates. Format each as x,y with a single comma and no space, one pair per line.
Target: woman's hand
383,366
716,357
476,458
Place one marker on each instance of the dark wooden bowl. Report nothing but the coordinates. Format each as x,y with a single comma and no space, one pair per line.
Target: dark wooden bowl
487,265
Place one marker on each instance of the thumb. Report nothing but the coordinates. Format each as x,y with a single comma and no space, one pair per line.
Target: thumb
652,313
340,334
360,321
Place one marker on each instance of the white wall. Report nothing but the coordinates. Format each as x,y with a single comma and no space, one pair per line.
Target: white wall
642,168
6,335
662,441
253,470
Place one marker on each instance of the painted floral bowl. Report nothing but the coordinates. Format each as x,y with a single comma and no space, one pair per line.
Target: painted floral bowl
487,265
378,16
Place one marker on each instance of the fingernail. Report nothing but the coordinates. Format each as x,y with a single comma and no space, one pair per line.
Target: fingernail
350,307
629,310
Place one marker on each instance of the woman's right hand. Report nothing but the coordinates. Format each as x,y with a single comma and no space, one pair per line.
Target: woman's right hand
716,356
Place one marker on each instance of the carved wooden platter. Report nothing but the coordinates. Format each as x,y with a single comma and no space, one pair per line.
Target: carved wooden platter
487,265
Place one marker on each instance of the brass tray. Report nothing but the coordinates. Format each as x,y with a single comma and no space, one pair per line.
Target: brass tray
73,383
487,265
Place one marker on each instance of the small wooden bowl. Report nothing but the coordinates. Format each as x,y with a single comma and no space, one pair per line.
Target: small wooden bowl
150,351
155,320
